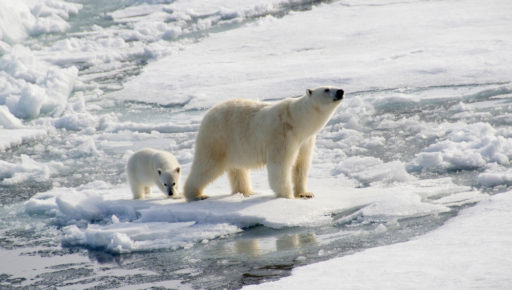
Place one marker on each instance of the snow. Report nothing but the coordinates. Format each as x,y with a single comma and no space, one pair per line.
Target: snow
470,251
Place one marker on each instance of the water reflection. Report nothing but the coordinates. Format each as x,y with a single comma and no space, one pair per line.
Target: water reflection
255,247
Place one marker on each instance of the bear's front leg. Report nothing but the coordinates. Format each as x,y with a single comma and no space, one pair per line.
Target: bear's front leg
279,163
301,169
137,190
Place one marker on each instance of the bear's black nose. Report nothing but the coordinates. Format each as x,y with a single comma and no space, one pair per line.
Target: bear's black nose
339,95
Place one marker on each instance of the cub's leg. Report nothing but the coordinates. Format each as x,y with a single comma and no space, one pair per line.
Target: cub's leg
136,187
240,181
301,169
137,190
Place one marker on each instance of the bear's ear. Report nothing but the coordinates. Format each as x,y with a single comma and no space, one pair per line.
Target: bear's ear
178,170
159,171
309,92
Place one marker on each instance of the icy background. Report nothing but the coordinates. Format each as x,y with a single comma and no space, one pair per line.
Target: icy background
412,176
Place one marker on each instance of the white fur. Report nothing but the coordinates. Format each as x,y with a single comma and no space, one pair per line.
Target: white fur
148,167
239,135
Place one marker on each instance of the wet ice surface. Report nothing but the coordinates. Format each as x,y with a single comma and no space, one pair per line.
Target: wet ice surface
424,131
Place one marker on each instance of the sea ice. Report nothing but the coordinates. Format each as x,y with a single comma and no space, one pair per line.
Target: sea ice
101,215
269,58
430,100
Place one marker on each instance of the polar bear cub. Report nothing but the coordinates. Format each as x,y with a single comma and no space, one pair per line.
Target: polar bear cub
148,167
239,135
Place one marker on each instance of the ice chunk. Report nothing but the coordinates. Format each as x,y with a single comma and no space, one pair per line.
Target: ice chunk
7,120
102,215
495,177
129,237
25,169
469,146
21,18
30,87
368,170
14,137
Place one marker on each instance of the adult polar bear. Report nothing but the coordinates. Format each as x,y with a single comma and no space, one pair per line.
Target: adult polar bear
238,135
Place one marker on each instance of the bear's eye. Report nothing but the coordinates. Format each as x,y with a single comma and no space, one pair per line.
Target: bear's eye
327,90
165,184
174,183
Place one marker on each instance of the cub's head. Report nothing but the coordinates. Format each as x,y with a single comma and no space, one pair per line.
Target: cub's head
325,97
170,180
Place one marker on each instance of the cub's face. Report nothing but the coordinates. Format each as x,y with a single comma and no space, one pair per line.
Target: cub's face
170,181
326,97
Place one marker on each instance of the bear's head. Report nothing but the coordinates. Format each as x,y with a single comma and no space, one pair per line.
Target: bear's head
325,97
170,180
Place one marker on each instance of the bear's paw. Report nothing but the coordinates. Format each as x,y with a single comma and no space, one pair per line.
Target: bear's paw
305,195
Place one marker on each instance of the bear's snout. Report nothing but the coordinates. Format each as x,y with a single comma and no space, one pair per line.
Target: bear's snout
339,95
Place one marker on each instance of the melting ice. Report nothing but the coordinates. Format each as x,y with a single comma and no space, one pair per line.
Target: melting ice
422,136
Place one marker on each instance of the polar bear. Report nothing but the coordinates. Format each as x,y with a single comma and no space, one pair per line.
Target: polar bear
148,167
239,135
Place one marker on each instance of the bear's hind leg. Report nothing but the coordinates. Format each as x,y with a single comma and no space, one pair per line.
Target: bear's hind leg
240,181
